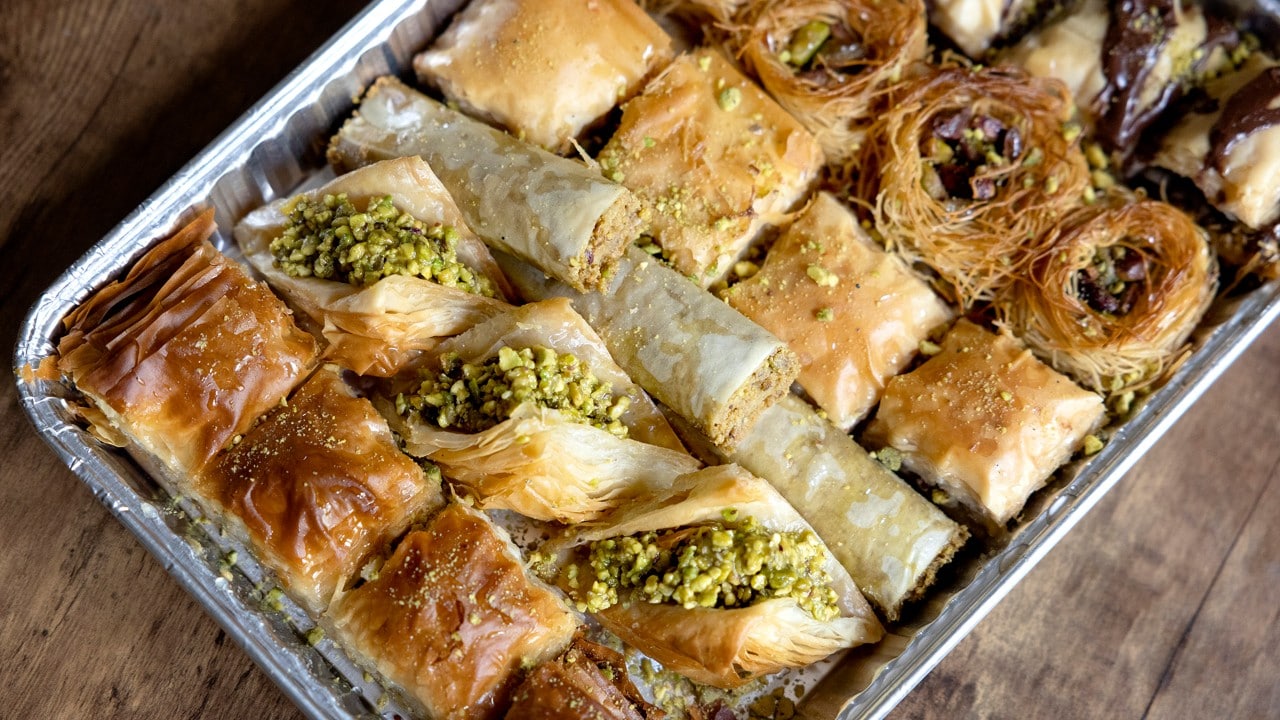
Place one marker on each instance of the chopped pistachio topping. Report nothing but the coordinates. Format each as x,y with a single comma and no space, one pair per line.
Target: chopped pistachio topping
822,276
472,397
331,240
890,457
825,314
1092,444
729,98
929,349
806,42
714,565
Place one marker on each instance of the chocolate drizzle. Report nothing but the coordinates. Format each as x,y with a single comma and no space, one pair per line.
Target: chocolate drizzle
1247,112
1138,32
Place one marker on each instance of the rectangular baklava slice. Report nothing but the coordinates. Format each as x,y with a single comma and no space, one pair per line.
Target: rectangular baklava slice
713,158
182,354
452,618
854,314
318,486
563,64
984,421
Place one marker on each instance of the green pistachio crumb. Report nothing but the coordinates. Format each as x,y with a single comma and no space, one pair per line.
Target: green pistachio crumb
1092,444
315,635
825,314
331,240
729,98
822,276
889,457
929,349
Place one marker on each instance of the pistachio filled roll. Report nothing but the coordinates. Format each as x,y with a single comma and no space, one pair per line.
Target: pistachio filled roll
530,414
563,63
1126,62
317,486
713,159
1115,294
828,61
889,537
968,169
692,352
452,617
182,355
380,260
719,580
984,421
854,314
556,213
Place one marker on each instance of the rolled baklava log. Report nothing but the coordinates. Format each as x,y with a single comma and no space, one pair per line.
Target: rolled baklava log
692,352
1125,62
563,63
587,682
984,421
719,580
556,213
317,487
713,159
890,538
1115,294
452,618
1230,146
380,260
854,314
968,169
182,354
530,414
828,61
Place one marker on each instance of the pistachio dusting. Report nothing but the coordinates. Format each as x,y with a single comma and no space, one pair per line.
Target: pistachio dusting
720,565
473,397
1113,282
330,239
961,148
823,53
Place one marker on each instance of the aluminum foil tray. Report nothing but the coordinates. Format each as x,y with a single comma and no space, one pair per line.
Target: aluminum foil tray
278,146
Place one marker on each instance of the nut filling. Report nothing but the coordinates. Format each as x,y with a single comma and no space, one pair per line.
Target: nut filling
719,565
472,398
1114,281
825,54
964,150
331,240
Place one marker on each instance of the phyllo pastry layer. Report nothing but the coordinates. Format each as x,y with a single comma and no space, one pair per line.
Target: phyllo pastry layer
985,421
854,314
380,260
317,486
452,617
713,158
563,63
889,537
556,213
529,413
183,353
587,682
719,580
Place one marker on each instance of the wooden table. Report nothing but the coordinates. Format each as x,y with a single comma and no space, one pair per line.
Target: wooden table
1164,602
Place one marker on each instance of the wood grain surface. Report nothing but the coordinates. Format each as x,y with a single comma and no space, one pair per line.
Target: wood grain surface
1164,602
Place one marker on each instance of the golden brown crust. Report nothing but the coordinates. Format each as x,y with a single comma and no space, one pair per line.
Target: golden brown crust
984,420
713,159
852,313
563,63
317,486
835,101
186,351
452,617
587,682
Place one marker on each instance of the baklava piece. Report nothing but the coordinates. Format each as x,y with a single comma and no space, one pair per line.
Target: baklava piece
984,421
854,314
182,354
563,64
452,617
587,682
317,487
713,158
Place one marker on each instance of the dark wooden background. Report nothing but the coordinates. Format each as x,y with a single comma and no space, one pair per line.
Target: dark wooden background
1164,602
